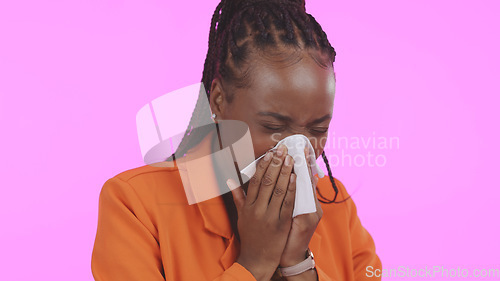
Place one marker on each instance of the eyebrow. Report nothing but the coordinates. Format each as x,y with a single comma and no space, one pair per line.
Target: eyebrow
289,119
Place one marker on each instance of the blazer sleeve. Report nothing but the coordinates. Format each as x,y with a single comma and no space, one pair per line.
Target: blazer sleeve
364,256
126,245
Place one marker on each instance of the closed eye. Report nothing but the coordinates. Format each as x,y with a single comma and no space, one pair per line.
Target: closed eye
273,128
320,131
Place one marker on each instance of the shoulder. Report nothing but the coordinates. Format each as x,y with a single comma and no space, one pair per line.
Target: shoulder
145,171
326,189
148,183
343,200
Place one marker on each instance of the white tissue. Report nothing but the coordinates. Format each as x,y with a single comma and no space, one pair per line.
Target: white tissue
304,196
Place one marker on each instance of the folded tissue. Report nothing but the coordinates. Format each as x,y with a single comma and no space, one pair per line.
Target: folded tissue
304,195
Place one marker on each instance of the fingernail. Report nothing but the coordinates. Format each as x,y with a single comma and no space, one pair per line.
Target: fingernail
281,149
288,159
292,178
230,184
268,156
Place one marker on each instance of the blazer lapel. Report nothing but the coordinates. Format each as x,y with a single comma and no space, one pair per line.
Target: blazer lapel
231,253
216,221
213,211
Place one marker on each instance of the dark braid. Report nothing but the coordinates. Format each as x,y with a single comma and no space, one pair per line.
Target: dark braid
333,184
239,26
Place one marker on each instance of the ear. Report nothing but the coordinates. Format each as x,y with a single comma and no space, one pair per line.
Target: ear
217,98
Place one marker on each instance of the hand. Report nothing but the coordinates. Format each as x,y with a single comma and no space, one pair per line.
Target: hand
303,226
265,213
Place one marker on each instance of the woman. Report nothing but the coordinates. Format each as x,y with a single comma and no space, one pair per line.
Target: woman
270,65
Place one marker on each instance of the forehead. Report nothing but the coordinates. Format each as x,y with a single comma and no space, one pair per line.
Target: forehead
302,90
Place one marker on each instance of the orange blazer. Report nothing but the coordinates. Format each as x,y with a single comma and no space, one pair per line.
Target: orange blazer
147,231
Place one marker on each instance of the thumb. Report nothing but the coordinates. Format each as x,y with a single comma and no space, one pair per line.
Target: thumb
238,193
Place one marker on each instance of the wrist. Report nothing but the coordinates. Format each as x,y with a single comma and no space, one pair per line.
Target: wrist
294,260
299,268
258,271
308,275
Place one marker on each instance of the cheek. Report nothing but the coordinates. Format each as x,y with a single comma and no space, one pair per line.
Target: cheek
318,144
322,144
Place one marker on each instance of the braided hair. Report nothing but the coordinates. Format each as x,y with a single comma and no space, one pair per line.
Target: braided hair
240,27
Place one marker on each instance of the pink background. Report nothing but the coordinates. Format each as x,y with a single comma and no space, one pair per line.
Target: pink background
73,74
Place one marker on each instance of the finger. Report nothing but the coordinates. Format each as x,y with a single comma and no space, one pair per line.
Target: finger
254,183
314,184
319,210
268,181
281,187
289,200
315,180
308,161
238,193
318,205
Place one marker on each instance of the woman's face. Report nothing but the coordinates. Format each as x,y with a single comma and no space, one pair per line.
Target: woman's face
281,100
